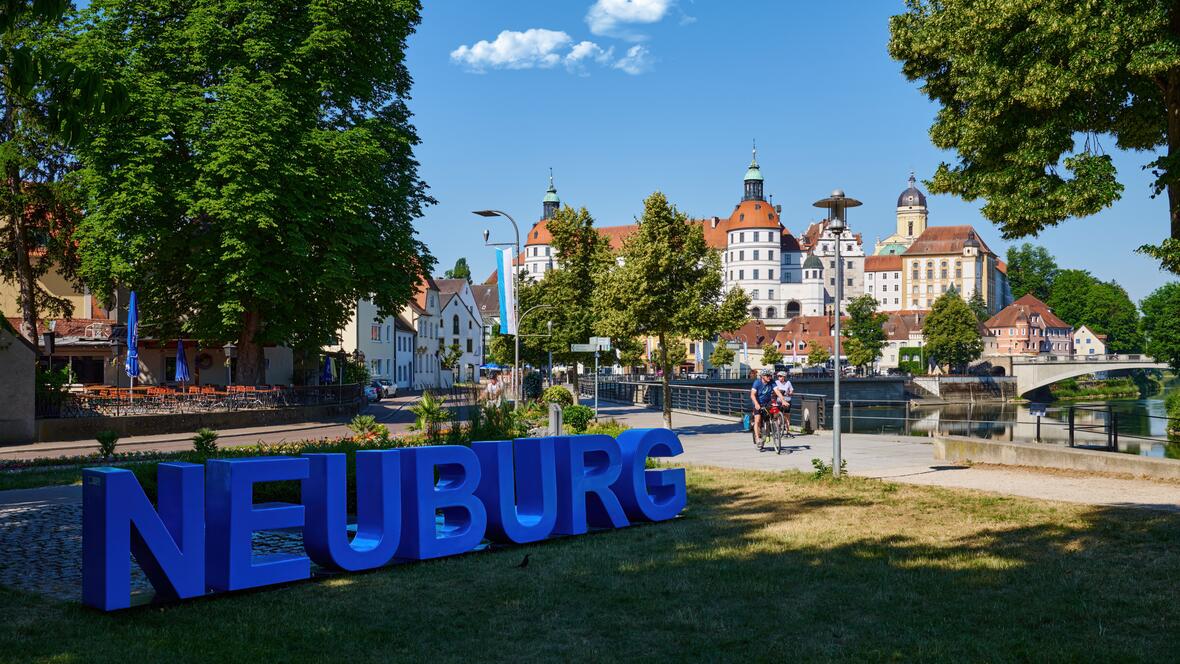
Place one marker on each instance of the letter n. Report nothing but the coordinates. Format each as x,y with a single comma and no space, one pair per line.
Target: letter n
118,520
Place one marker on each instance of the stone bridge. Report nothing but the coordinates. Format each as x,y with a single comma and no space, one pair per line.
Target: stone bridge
1033,373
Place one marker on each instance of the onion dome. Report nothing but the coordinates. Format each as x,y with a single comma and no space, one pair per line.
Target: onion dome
912,197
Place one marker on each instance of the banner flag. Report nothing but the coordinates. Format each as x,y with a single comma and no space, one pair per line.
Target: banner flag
506,279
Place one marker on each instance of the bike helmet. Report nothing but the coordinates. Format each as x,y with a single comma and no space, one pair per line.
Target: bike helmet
781,374
765,372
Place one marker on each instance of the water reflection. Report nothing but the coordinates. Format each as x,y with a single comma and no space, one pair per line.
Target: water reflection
1141,423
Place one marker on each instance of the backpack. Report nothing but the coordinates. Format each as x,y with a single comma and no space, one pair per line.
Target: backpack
746,422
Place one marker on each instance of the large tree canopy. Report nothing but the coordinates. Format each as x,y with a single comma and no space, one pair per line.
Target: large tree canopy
1079,298
262,179
1028,89
952,332
668,286
1161,324
1031,269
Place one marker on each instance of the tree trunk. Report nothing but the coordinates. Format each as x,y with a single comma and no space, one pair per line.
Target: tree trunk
1172,102
666,381
26,279
250,351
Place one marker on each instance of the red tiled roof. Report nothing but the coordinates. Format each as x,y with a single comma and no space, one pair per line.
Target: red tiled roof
937,240
1020,310
754,333
539,234
1001,266
754,214
883,263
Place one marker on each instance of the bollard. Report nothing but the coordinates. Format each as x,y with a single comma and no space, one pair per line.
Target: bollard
554,419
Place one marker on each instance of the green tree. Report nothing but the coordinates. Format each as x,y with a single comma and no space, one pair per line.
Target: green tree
630,351
1031,269
567,291
460,271
1026,89
1078,298
722,355
677,354
1161,324
262,179
499,348
865,330
449,358
771,355
979,306
42,101
669,285
952,332
818,355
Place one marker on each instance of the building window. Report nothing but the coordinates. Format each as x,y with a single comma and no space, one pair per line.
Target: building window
755,254
741,275
770,313
770,274
770,254
770,294
375,333
849,281
755,273
742,236
832,264
929,274
741,255
469,345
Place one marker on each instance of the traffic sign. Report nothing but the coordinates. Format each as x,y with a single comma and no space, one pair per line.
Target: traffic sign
583,348
603,343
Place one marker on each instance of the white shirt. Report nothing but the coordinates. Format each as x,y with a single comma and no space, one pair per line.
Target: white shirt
784,387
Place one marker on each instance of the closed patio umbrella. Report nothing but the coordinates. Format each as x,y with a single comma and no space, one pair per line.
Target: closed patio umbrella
326,374
132,364
182,374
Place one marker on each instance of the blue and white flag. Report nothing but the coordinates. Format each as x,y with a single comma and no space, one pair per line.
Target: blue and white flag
132,365
506,278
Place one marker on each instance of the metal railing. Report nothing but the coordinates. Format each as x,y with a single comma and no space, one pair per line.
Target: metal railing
112,402
1109,357
1094,427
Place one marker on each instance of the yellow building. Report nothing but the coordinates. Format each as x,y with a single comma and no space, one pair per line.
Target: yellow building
912,219
945,257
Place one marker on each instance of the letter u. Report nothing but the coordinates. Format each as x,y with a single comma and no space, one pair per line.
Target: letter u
378,522
519,493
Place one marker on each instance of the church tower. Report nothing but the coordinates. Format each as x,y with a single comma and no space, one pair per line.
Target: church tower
911,212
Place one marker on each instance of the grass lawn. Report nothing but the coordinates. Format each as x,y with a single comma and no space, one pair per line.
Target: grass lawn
768,567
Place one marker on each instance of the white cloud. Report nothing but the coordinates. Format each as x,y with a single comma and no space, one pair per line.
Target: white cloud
543,49
635,62
535,47
610,17
587,51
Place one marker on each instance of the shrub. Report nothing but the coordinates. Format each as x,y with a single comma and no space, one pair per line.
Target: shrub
558,395
106,442
532,386
205,442
611,427
577,417
431,414
366,431
823,469
494,422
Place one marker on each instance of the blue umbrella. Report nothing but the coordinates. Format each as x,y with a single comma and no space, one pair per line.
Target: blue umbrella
132,364
326,374
182,375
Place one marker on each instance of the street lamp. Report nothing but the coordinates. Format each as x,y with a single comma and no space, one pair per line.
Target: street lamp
837,205
231,352
516,304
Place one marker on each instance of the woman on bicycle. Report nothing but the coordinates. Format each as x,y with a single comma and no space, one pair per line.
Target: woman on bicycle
783,389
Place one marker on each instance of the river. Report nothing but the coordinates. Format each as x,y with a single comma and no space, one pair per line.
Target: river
1141,423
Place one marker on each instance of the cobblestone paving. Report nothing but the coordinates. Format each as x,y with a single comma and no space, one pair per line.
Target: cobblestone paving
41,550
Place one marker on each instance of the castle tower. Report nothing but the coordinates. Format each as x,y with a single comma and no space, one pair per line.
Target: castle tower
813,287
753,180
551,202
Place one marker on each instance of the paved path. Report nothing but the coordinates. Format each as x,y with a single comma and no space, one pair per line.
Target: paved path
720,442
390,412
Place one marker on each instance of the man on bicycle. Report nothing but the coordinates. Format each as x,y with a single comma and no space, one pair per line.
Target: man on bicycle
783,389
761,394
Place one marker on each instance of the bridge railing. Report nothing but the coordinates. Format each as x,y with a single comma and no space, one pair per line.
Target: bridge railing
1109,357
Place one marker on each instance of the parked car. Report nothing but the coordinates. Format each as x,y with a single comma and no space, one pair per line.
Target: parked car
372,392
388,387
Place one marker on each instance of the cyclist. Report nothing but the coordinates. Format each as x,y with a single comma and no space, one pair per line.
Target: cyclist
783,389
761,394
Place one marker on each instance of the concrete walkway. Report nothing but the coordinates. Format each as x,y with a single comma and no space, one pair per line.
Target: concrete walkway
720,442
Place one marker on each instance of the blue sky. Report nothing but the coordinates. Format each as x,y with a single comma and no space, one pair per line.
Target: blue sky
622,99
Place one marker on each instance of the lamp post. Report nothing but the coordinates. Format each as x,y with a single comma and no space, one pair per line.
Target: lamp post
837,205
515,305
231,352
520,322
549,371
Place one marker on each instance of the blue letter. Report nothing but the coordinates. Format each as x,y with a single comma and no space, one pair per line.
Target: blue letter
231,519
118,520
650,495
464,517
532,513
378,515
586,467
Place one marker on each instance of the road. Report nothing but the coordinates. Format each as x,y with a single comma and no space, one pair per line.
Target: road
393,413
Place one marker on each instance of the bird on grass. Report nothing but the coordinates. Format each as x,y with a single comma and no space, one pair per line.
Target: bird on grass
524,563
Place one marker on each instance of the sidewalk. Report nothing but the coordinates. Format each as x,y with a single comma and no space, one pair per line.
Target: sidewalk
720,442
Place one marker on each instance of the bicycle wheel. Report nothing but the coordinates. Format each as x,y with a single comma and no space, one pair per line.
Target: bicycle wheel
778,433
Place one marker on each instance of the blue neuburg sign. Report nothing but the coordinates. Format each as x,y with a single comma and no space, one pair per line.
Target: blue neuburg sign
198,540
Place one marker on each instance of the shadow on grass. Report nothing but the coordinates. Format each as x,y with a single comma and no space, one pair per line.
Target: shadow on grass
761,566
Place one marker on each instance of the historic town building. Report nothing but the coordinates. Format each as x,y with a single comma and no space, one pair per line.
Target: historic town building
1027,327
946,257
912,218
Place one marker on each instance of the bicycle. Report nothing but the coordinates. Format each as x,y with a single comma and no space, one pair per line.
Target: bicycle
772,427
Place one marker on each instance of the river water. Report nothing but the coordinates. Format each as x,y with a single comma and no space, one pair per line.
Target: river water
1141,423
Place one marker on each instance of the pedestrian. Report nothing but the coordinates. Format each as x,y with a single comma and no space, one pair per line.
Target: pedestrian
494,391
